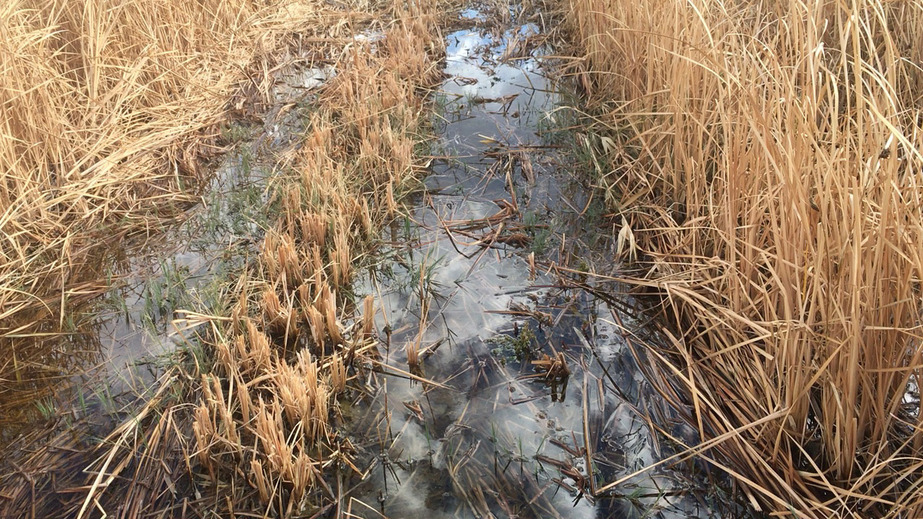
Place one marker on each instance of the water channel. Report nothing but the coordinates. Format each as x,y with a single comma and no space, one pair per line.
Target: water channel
533,393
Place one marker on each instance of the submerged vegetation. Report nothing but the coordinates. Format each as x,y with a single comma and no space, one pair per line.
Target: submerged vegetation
766,158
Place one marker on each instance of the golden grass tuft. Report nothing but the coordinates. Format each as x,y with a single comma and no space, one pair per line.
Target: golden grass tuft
102,101
359,144
766,158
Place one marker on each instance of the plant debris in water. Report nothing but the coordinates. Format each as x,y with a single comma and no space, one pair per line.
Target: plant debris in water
503,392
481,366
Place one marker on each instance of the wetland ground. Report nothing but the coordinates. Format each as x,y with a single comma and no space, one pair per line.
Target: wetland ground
503,259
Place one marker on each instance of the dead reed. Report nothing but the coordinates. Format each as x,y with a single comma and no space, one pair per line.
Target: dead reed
106,109
273,438
256,432
766,156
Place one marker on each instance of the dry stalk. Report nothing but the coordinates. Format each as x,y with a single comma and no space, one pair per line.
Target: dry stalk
765,159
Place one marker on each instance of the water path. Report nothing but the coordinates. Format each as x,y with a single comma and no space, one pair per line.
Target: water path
533,389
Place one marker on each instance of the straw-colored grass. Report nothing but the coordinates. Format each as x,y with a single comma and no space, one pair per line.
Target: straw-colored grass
106,107
271,437
255,432
767,157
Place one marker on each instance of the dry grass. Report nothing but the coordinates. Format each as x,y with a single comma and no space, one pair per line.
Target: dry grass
767,157
265,429
258,431
106,108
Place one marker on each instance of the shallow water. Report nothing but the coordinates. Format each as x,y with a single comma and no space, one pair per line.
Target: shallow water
467,284
467,280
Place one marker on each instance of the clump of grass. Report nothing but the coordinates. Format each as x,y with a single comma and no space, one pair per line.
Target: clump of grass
292,353
106,107
519,346
767,157
251,428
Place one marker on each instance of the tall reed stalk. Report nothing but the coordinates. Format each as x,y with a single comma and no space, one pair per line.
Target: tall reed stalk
767,156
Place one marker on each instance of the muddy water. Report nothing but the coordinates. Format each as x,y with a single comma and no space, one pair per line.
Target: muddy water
469,285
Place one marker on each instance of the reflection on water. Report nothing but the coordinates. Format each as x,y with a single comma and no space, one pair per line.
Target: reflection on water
506,434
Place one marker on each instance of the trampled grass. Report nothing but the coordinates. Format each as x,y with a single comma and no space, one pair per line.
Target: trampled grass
767,158
106,109
249,424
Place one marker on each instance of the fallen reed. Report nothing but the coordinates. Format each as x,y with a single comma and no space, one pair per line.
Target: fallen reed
767,156
251,423
107,108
